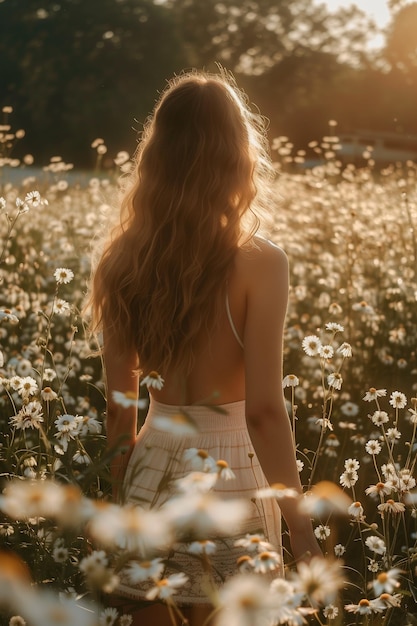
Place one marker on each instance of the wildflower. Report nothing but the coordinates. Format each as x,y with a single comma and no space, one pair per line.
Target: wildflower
196,482
125,620
375,544
253,543
300,465
199,460
407,481
179,424
29,416
7,316
339,550
23,499
245,600
153,381
108,616
390,506
379,417
63,275
413,417
386,582
205,546
334,327
49,374
81,458
60,553
311,345
278,491
363,307
27,387
6,530
379,489
330,611
319,580
67,423
356,510
62,307
345,349
349,478
373,566
373,447
223,470
326,352
322,532
335,309
137,571
393,434
167,587
290,380
97,573
350,409
387,600
335,380
398,400
33,198
266,561
325,498
373,394
364,607
47,394
129,398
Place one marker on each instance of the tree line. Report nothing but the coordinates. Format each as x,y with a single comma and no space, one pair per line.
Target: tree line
74,70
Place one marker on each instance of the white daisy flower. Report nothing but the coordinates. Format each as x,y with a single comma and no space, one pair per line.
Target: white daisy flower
153,381
47,394
108,617
290,380
364,607
335,380
386,582
129,398
205,546
356,510
326,352
311,345
373,447
137,572
266,561
334,327
167,587
398,400
254,543
373,394
375,544
345,349
63,275
379,417
322,532
339,550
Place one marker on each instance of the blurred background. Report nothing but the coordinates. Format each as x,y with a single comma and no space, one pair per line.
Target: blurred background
76,70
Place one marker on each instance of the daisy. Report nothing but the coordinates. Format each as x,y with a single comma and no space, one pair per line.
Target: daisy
196,482
67,423
380,489
398,400
266,561
125,620
17,620
352,465
311,345
393,434
364,607
153,381
322,532
356,510
63,275
29,416
205,546
167,587
108,617
200,460
254,543
349,478
373,447
379,417
129,398
290,380
27,387
62,307
339,550
324,499
345,349
375,544
48,394
319,580
330,611
326,352
7,316
6,530
334,327
373,566
335,380
373,394
413,417
179,424
363,307
137,572
223,470
386,582
245,600
387,600
349,409
49,374
278,491
391,506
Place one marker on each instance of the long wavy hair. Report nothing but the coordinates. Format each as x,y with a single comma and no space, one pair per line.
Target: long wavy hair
200,171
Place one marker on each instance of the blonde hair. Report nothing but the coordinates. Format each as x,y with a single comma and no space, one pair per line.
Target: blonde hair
200,171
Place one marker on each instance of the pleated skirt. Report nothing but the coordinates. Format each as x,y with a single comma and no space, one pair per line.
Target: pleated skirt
222,434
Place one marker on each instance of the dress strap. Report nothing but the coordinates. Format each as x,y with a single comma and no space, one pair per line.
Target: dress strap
232,326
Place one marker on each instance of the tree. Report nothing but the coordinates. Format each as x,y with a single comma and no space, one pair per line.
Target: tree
77,70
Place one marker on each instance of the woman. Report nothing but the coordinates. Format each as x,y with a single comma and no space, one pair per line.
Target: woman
186,289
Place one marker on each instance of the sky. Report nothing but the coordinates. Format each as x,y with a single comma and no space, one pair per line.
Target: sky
377,9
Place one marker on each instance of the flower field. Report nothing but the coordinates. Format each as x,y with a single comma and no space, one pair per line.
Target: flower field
351,386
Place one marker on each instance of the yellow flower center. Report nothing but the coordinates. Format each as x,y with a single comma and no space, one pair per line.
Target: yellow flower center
202,454
130,395
382,577
364,602
357,505
163,583
153,374
222,464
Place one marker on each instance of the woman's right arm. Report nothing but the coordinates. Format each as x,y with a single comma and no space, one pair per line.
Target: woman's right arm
267,418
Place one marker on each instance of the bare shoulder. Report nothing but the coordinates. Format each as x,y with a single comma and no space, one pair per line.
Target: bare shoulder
263,258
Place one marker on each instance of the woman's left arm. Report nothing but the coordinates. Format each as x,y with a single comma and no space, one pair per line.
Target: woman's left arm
121,423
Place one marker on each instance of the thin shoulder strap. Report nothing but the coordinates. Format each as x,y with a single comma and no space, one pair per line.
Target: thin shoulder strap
229,315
